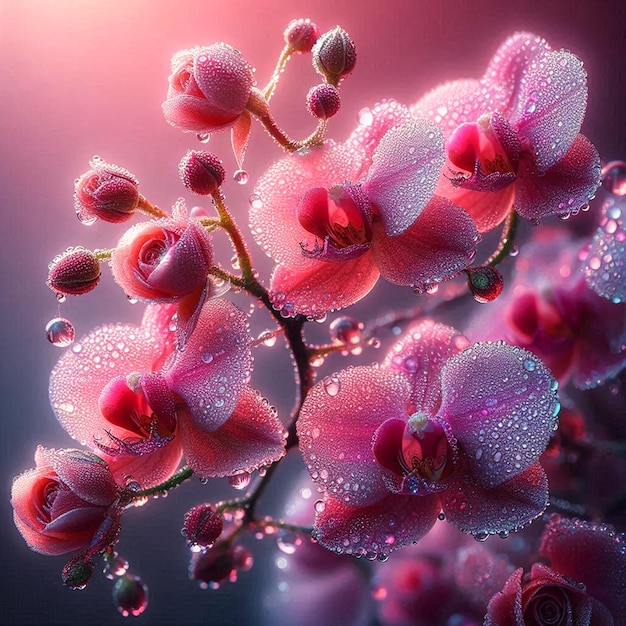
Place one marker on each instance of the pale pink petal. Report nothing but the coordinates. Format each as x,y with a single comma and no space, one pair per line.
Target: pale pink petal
240,136
391,523
565,187
319,286
81,374
404,172
549,114
211,372
440,244
336,426
457,102
508,64
273,214
501,404
486,208
420,356
252,437
160,320
502,509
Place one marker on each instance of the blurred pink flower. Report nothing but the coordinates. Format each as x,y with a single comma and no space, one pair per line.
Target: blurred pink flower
439,426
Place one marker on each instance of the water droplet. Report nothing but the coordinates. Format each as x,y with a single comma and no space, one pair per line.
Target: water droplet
60,332
374,342
530,365
481,536
345,330
130,595
239,481
206,357
241,177
255,201
288,541
203,137
114,566
319,506
331,385
131,299
531,107
267,338
614,178
441,516
365,117
86,220
61,298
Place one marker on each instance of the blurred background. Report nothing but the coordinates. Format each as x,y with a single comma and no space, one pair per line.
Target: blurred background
86,77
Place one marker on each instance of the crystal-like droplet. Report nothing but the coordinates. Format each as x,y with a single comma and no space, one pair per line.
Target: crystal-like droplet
130,595
331,385
255,201
86,221
346,330
203,137
114,566
241,177
614,178
60,332
239,481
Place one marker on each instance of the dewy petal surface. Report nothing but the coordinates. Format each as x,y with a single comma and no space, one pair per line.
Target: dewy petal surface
253,436
211,372
501,404
504,508
439,244
420,356
389,524
336,426
404,172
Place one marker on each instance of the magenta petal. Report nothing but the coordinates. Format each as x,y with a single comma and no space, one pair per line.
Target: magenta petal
506,606
502,509
457,102
501,404
389,524
321,286
273,215
85,369
211,372
420,356
404,173
566,187
336,426
592,554
549,114
387,444
440,243
252,437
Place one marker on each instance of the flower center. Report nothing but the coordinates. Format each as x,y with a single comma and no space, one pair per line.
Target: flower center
548,607
339,214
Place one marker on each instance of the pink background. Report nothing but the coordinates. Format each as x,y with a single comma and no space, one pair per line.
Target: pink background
85,77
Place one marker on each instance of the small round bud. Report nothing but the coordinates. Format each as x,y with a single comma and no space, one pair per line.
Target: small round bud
301,35
323,101
74,272
334,55
130,595
484,282
106,191
77,572
201,172
202,526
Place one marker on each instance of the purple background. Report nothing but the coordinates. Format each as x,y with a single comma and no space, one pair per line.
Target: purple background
83,77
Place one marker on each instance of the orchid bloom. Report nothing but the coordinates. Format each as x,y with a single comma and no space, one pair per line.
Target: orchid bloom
336,217
130,394
440,426
513,138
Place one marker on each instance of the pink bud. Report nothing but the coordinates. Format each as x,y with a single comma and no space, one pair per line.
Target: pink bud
75,272
77,572
334,55
201,172
323,101
106,191
202,526
130,595
301,35
484,282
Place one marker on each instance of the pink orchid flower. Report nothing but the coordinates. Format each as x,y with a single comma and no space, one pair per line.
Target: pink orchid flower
335,218
127,392
513,138
585,583
439,426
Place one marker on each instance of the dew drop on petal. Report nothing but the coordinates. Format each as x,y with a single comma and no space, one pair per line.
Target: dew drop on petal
530,365
331,385
319,506
60,332
241,177
255,201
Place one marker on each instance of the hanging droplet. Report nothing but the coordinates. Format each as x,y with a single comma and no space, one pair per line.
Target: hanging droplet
239,481
267,338
114,566
60,332
346,330
86,220
131,299
203,137
614,178
61,298
241,177
130,595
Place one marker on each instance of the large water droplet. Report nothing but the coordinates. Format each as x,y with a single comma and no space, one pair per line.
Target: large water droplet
130,595
331,385
60,332
288,541
86,220
241,177
255,201
239,481
203,137
614,178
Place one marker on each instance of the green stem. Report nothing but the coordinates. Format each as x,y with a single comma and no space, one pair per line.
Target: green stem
180,477
507,240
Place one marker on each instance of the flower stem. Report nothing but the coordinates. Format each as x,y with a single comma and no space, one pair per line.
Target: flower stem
177,479
285,55
507,240
151,209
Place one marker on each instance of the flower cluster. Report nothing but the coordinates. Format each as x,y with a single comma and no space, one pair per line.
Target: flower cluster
459,421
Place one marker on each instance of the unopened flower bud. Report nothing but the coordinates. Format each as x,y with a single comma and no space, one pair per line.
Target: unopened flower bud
219,564
323,101
202,526
484,282
201,172
77,572
130,595
106,191
301,35
74,272
334,55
